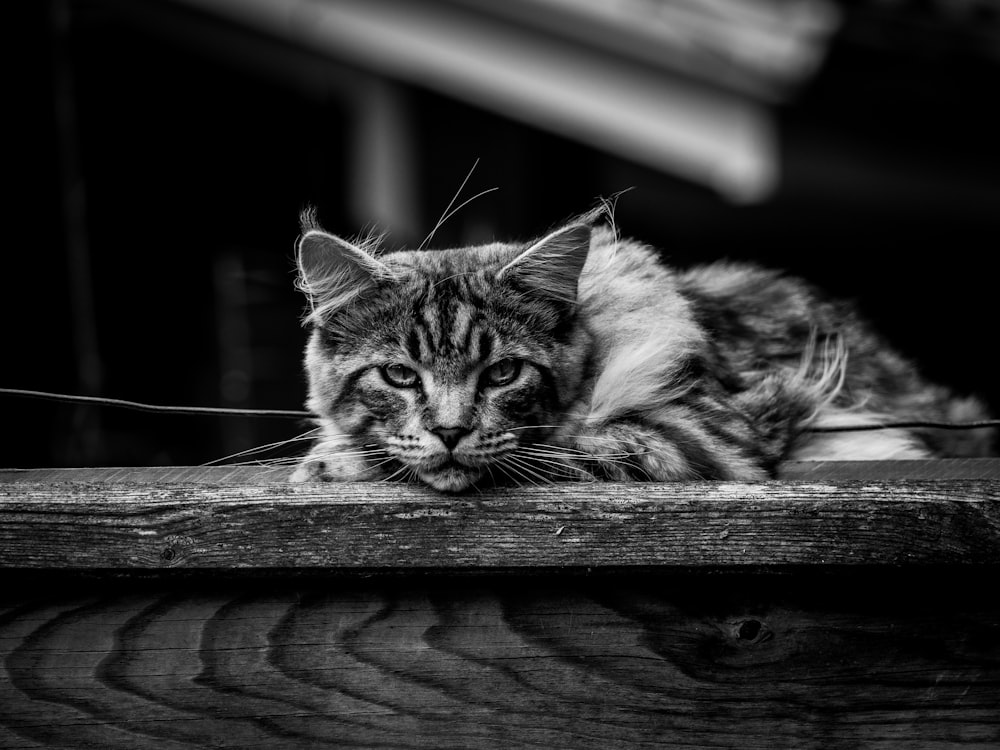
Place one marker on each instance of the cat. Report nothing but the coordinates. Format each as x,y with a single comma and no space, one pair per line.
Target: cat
581,355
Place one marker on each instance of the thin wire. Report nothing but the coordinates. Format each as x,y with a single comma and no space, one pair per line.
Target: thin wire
216,410
294,414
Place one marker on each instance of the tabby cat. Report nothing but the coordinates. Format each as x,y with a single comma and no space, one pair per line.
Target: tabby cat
581,356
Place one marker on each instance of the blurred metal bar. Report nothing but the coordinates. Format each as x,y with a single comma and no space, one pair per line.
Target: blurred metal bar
762,48
715,137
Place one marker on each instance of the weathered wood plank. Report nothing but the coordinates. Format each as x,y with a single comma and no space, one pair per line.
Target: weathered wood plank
678,661
123,524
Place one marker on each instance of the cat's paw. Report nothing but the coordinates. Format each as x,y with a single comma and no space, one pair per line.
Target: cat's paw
619,452
632,451
311,471
328,462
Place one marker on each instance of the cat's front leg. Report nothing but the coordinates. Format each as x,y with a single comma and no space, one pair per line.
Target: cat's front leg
673,448
621,451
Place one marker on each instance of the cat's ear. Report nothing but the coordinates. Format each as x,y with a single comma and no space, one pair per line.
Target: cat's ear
553,264
334,272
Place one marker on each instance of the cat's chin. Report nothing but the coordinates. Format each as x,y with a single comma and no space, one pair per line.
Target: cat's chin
450,479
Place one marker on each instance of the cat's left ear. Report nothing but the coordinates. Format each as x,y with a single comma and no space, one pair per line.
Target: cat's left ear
334,272
553,264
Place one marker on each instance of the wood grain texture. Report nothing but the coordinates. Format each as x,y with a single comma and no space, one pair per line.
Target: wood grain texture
680,662
128,524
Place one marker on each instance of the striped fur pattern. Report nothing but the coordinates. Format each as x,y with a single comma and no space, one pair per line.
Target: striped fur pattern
581,356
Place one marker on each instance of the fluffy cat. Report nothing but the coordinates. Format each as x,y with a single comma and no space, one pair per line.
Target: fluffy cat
580,355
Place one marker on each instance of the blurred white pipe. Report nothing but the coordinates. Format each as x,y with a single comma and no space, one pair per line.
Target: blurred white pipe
383,160
713,137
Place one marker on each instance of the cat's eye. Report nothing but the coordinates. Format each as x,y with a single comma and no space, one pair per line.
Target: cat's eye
501,373
400,376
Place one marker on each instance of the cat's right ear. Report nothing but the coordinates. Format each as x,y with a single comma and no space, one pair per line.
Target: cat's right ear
333,272
553,264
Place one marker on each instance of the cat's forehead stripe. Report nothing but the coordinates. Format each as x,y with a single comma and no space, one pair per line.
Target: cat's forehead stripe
430,325
461,328
449,320
485,346
415,345
449,329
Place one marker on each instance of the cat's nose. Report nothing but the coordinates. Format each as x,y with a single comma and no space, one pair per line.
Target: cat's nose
450,435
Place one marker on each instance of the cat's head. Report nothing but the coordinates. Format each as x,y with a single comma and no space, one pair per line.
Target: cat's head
446,363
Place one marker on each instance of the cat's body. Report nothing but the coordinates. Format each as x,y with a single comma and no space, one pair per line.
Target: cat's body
583,356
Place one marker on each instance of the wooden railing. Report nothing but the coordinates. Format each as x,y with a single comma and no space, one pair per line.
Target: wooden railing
842,606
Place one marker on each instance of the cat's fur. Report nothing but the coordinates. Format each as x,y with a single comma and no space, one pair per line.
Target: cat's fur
581,355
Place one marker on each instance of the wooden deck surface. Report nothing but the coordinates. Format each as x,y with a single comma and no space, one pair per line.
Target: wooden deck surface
187,608
249,519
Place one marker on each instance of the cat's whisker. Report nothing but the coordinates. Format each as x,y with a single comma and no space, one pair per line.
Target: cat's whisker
370,458
489,470
561,468
525,467
274,463
373,455
402,471
305,436
363,452
534,427
599,438
621,459
449,212
514,472
579,453
553,450
462,205
564,463
381,463
503,469
359,450
608,439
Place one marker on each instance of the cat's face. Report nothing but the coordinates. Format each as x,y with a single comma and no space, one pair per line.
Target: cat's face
450,363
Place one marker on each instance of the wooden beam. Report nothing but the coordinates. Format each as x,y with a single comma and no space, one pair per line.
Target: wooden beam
580,663
829,625
247,520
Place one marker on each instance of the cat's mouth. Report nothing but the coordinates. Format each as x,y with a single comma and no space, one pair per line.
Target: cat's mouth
449,471
450,476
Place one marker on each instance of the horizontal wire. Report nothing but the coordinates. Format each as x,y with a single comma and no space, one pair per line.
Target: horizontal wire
297,414
136,405
909,425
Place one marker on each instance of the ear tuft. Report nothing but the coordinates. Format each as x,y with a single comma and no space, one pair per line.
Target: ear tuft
308,221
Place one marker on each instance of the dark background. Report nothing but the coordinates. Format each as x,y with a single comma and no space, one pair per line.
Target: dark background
154,181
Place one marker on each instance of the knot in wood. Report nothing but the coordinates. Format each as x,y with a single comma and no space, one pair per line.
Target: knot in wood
750,631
